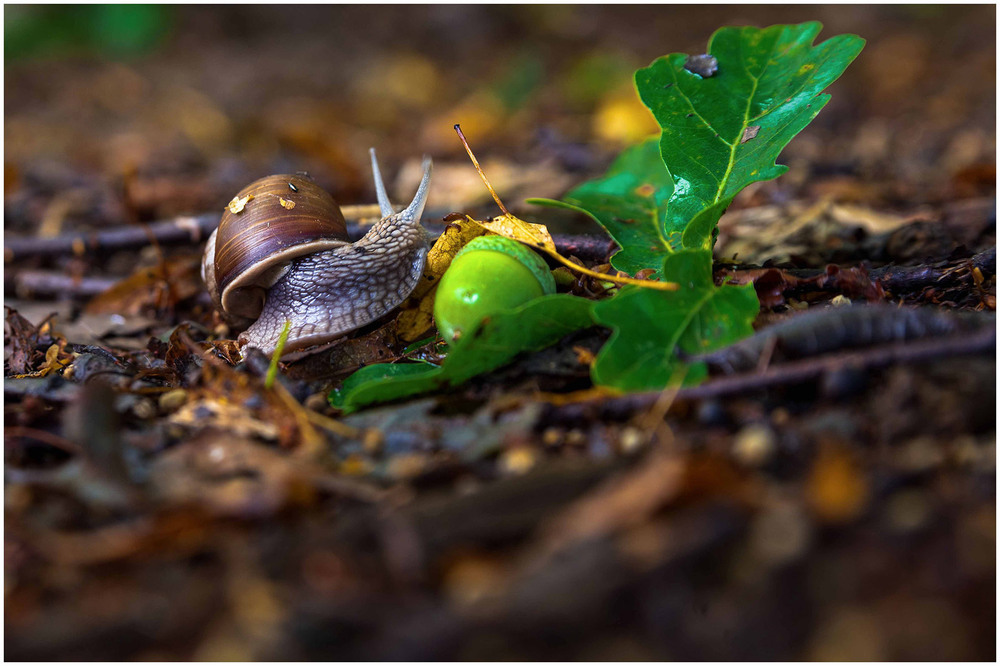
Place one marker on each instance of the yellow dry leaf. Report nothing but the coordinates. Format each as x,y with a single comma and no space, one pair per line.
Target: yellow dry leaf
514,227
56,358
237,204
417,314
537,235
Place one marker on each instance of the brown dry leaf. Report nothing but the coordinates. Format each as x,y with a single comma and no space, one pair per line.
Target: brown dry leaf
147,287
347,355
111,329
23,336
56,359
770,283
417,317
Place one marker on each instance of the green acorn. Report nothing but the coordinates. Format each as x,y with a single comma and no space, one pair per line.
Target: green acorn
490,274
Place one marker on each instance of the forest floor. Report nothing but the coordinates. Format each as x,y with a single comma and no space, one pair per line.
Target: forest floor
161,503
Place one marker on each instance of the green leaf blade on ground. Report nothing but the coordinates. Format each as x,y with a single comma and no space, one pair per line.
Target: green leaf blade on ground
533,326
723,132
650,327
630,202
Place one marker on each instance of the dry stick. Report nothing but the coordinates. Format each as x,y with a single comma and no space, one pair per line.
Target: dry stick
35,283
901,278
197,229
178,230
42,436
648,284
892,278
652,422
786,373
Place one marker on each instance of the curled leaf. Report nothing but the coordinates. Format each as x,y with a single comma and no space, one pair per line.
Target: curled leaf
537,235
416,316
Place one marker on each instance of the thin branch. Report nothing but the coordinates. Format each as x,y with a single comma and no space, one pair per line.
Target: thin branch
623,407
894,279
34,283
197,229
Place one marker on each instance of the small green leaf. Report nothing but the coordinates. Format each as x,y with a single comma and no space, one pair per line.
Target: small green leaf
630,202
651,326
724,132
530,327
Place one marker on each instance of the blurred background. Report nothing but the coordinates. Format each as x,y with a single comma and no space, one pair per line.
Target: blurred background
129,113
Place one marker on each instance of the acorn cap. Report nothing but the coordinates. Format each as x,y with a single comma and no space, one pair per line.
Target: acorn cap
519,251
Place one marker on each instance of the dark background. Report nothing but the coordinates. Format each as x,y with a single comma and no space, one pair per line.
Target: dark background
214,97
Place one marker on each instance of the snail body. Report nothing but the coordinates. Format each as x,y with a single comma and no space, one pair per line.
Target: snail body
281,253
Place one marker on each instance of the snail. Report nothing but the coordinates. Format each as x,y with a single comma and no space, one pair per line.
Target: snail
281,253
489,274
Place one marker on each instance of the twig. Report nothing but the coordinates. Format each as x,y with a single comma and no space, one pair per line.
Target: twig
42,436
623,407
29,283
197,229
541,245
178,230
912,278
894,279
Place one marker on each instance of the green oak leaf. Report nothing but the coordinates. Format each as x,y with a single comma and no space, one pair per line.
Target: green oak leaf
529,327
651,326
630,202
719,134
723,132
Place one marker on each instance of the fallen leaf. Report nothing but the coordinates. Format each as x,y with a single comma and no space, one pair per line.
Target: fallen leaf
508,225
417,314
538,236
23,340
151,288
